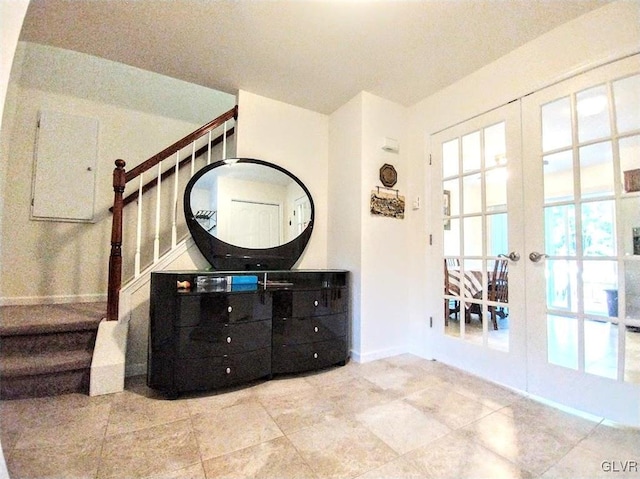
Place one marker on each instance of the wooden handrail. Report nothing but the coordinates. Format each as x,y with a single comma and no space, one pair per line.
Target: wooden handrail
120,179
130,198
180,144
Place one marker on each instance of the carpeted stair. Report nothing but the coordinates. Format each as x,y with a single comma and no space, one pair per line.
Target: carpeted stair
46,350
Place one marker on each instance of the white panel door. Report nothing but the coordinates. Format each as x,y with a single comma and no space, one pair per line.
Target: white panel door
581,138
254,225
480,207
65,164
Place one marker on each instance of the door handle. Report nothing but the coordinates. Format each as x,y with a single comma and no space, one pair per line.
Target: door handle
513,256
536,257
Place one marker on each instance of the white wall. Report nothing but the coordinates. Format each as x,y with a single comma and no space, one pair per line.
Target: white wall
55,261
297,140
595,38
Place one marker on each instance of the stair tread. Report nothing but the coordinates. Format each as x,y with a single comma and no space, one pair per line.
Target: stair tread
51,318
50,362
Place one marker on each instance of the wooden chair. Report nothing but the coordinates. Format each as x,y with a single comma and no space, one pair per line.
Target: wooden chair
450,306
498,290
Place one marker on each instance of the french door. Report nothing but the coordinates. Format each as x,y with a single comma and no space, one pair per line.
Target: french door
549,184
482,222
582,144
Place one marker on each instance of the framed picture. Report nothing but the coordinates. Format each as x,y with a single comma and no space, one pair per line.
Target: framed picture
446,209
632,180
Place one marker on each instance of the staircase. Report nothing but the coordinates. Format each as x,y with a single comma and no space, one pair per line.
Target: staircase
46,350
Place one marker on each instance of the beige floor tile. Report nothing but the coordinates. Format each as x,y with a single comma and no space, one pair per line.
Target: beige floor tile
334,375
449,407
207,402
533,448
233,428
341,448
281,386
65,461
132,411
296,411
79,425
457,457
157,450
195,471
275,459
398,469
401,426
583,463
351,397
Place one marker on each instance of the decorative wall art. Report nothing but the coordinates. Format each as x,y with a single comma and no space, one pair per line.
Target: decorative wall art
632,180
388,175
387,204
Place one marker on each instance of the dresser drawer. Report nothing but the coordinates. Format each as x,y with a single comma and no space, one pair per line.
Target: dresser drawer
208,373
308,330
206,309
309,356
315,302
218,339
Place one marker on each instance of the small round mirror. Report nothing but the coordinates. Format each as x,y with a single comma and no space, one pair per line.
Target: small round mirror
245,213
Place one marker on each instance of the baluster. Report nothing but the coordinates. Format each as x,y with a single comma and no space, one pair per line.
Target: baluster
156,239
209,148
174,229
193,157
139,229
224,141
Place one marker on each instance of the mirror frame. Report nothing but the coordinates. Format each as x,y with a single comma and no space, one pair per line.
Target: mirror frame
224,256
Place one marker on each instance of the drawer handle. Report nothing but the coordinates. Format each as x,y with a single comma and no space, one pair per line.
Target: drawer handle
228,370
229,309
315,303
228,339
315,329
315,355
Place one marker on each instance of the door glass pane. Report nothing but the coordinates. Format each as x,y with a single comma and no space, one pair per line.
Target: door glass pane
629,155
601,348
598,231
629,225
450,158
632,354
558,176
471,152
560,230
472,185
473,236
626,94
600,286
562,337
556,124
596,170
452,237
632,289
562,285
497,234
451,199
496,187
495,145
593,114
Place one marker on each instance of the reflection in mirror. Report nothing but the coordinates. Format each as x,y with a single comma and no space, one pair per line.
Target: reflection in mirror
250,205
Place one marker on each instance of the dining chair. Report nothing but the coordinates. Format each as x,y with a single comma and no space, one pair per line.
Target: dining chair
450,306
498,290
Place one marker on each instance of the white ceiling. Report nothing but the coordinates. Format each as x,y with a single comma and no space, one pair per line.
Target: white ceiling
314,54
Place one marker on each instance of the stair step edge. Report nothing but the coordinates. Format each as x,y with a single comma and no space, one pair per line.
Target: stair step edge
21,365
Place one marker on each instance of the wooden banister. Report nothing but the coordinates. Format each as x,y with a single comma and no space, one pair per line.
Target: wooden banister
120,180
180,144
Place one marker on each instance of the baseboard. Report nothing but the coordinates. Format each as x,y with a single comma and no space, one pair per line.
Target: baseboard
374,355
139,369
62,299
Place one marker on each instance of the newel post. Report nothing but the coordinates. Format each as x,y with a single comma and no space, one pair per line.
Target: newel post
115,258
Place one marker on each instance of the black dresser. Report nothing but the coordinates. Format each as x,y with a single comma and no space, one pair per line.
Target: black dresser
210,330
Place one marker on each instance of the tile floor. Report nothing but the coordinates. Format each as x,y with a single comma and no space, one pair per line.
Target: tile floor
402,417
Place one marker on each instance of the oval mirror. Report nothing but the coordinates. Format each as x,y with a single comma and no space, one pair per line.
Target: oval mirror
248,214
